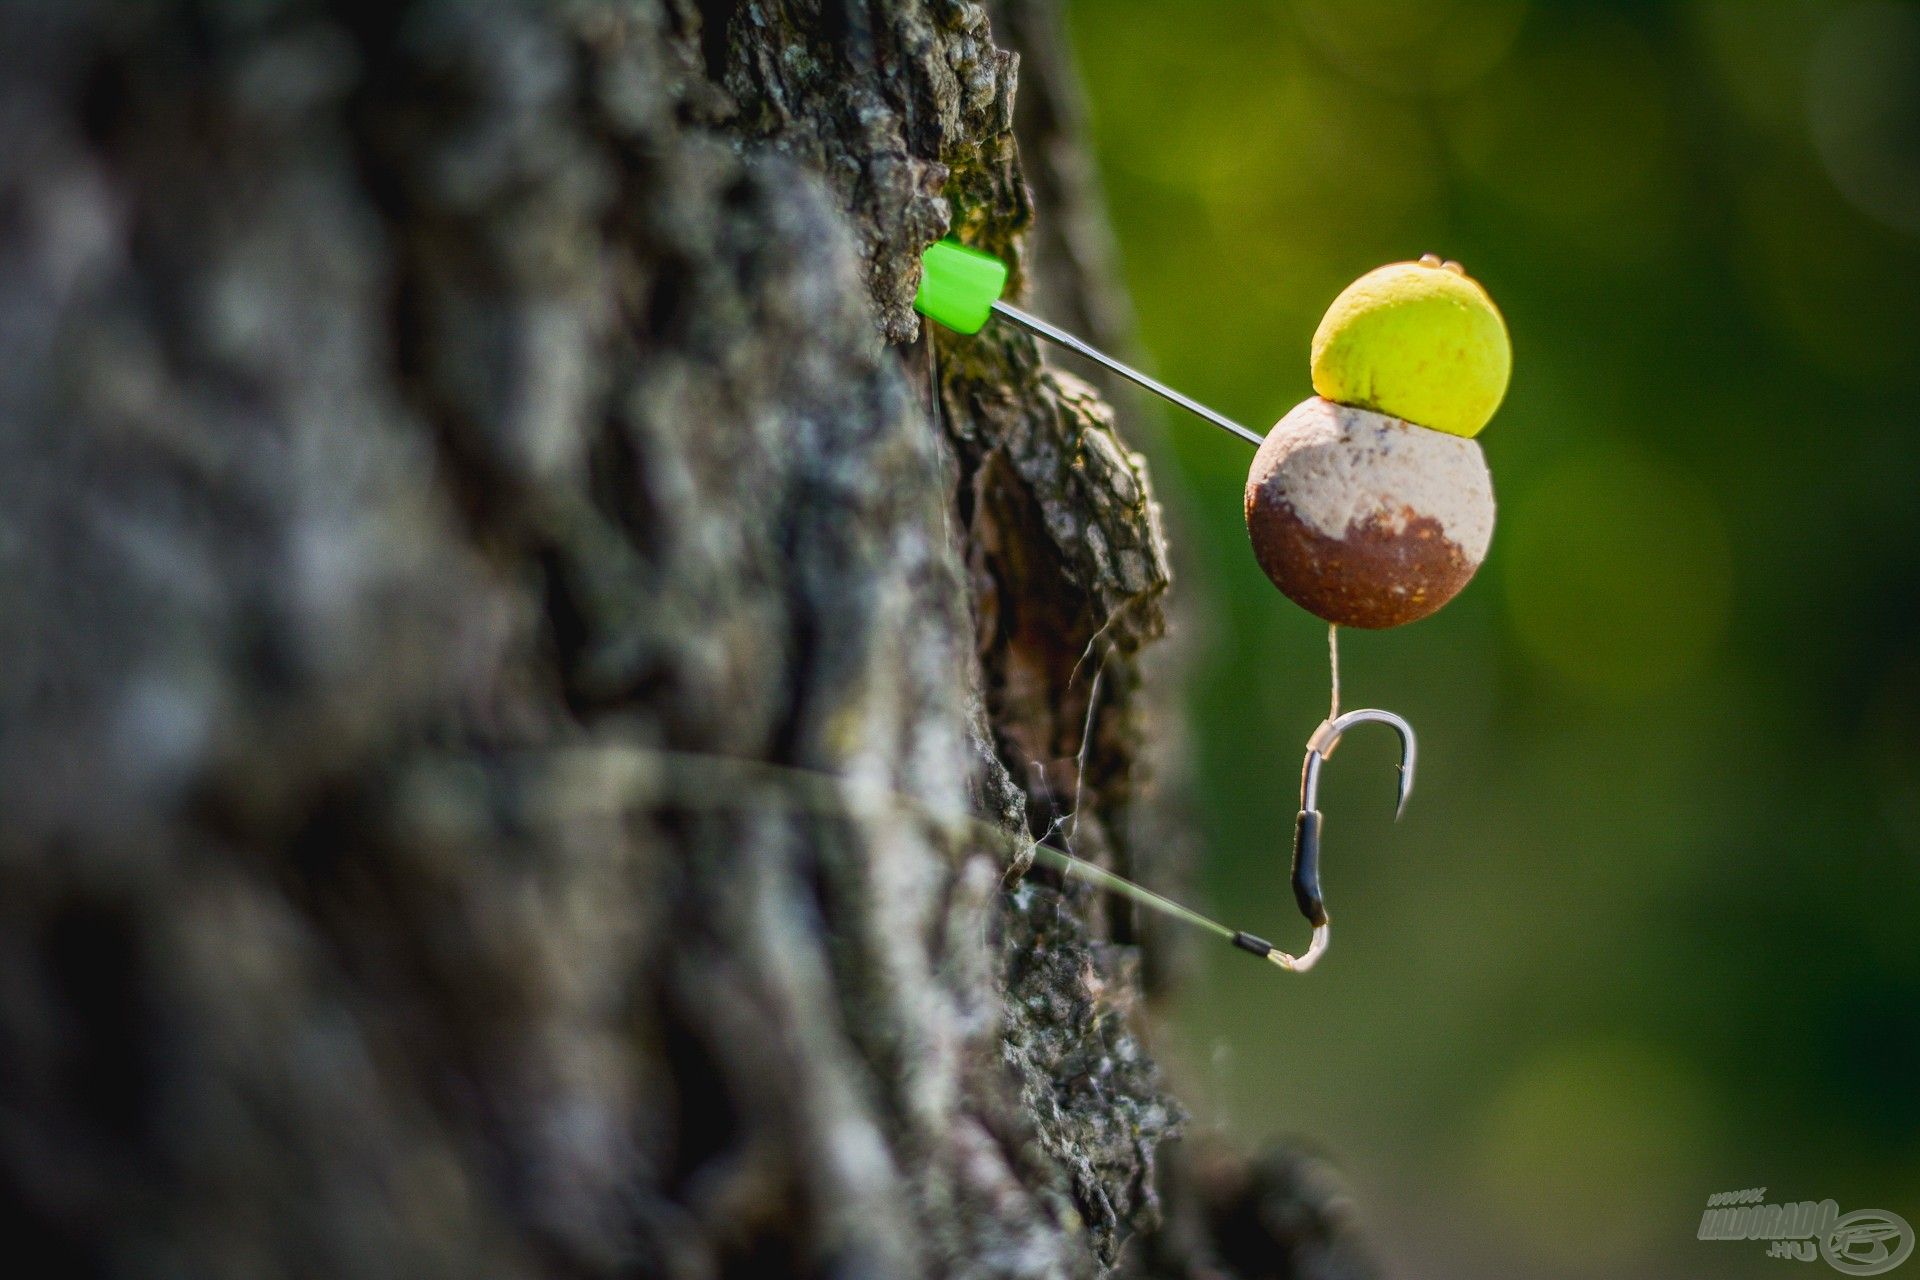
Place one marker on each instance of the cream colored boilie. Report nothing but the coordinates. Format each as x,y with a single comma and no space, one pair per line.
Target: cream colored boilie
1366,520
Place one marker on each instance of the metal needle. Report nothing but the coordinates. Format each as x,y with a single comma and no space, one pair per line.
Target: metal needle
1040,328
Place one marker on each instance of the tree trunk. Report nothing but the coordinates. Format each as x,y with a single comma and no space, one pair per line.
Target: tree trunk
519,708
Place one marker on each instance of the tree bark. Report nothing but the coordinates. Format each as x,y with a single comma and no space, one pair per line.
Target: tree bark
525,674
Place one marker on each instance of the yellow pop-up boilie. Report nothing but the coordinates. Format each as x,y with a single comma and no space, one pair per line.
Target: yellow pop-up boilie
1419,341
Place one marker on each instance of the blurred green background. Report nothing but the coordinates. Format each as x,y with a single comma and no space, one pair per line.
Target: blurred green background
1648,931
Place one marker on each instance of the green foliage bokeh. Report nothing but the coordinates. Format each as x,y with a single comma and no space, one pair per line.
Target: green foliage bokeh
1648,931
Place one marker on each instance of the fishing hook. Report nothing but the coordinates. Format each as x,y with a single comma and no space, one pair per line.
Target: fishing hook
1306,828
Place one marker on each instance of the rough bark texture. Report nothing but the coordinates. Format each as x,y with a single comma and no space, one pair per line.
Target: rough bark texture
439,437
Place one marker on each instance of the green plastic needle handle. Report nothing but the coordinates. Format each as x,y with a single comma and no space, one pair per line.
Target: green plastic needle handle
958,285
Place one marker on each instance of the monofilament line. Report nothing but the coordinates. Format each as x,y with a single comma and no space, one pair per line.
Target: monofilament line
698,780
1333,666
1065,863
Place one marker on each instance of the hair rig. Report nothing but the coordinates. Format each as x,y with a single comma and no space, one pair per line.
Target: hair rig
1369,504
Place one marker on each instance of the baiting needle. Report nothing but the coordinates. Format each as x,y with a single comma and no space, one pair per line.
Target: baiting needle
1040,328
960,287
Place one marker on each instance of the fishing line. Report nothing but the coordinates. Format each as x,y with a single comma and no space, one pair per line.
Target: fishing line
703,780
